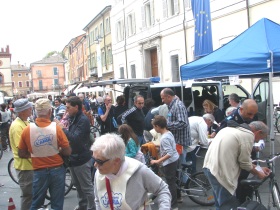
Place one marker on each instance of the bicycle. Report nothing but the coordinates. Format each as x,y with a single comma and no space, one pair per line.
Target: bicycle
2,149
68,179
276,118
273,185
95,131
197,187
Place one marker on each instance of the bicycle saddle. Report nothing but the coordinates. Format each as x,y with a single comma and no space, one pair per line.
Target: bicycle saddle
256,182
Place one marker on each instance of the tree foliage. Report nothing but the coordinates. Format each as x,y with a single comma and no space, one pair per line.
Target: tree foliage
52,53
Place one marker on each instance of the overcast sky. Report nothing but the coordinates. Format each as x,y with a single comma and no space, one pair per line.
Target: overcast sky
32,28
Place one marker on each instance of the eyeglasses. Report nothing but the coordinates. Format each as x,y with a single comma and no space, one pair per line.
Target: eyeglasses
100,162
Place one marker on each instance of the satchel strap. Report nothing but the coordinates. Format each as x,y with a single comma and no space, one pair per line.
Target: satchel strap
109,192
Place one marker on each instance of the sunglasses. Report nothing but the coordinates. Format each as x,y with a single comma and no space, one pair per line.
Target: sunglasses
100,162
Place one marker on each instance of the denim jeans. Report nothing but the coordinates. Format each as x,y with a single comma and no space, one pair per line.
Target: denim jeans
221,194
141,140
82,179
52,179
192,157
182,160
25,179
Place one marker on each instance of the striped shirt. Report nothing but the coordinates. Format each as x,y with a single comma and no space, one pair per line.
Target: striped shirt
178,122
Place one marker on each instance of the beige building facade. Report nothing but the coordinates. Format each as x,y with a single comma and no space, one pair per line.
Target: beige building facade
99,46
21,80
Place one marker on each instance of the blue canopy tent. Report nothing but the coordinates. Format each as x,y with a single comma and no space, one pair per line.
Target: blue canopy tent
255,51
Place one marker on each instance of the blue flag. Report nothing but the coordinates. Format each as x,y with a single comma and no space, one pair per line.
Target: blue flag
202,32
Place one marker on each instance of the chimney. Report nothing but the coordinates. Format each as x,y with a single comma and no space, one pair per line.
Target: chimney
8,49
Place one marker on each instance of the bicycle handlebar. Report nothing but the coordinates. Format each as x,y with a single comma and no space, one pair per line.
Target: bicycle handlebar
267,160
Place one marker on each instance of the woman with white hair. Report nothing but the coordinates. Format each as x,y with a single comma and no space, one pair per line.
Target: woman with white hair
125,179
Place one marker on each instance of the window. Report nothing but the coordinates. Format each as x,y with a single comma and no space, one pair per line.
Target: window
19,84
133,72
131,24
27,83
148,14
93,61
101,30
26,74
119,29
96,33
175,68
103,57
13,84
107,25
55,72
188,4
170,8
19,74
122,73
40,84
55,82
39,73
12,74
109,55
1,79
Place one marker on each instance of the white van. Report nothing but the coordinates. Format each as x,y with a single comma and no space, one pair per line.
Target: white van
193,97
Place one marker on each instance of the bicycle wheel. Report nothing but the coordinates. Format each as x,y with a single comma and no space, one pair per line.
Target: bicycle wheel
1,150
95,131
68,184
199,189
12,171
276,196
277,125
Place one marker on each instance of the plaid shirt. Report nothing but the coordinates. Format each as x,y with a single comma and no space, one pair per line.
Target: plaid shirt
178,122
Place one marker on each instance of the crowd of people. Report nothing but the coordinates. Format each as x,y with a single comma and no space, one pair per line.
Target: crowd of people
43,134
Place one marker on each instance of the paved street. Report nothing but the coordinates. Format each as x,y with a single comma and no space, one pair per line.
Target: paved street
10,189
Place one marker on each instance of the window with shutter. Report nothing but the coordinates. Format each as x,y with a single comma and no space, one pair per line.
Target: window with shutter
175,68
121,72
133,71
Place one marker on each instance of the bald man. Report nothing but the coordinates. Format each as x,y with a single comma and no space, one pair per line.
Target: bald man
244,114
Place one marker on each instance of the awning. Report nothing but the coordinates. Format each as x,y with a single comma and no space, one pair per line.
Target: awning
92,89
76,88
69,88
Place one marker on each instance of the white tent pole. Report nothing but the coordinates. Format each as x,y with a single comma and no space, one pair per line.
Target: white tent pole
272,134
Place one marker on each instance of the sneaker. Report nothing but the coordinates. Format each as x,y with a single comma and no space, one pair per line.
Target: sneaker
180,200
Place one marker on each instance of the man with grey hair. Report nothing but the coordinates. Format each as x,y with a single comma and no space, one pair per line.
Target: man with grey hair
85,102
45,142
234,100
199,135
230,151
23,166
178,124
106,114
121,182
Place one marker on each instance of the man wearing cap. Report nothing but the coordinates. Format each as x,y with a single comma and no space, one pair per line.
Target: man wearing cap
81,163
23,167
44,142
